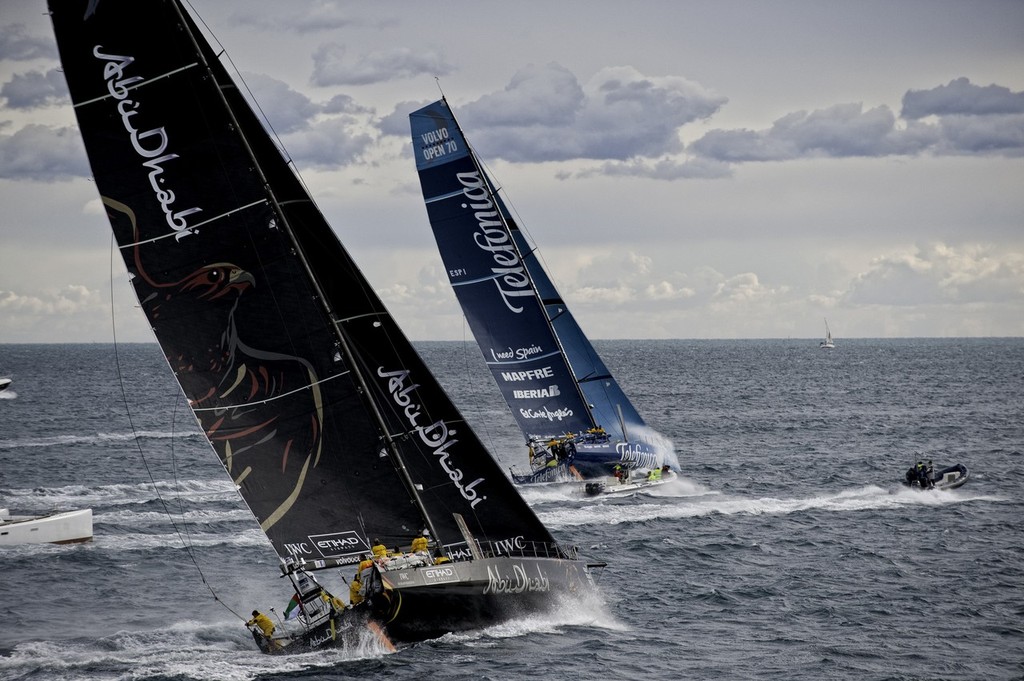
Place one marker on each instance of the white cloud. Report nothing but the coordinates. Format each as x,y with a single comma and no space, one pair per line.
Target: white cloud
940,274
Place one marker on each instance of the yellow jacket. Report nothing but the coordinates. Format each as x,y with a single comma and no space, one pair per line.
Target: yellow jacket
354,597
263,622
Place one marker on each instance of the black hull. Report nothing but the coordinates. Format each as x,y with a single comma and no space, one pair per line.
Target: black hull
429,602
417,604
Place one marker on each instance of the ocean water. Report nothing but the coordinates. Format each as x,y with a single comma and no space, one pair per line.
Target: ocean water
787,551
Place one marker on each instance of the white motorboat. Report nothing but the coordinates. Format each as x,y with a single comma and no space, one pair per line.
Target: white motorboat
58,527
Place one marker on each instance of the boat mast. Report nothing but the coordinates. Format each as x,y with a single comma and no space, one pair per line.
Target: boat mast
350,359
492,193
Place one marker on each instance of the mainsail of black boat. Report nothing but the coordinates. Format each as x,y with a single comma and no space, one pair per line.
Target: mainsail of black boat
320,410
567,404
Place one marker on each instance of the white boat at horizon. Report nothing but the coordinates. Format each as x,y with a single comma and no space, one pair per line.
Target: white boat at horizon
828,344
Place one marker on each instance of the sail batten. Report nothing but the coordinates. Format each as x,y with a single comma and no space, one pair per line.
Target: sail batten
289,360
522,321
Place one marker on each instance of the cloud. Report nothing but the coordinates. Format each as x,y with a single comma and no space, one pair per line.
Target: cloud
18,45
286,109
329,143
1000,134
329,67
843,130
961,97
70,299
35,89
40,152
346,105
971,120
940,274
545,114
315,17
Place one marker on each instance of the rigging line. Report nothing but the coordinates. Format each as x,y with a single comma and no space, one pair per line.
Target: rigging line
135,433
490,444
274,398
224,55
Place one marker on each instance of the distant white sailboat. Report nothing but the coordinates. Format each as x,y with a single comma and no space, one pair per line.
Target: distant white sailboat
827,343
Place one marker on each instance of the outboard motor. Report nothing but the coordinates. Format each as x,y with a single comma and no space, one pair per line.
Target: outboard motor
592,489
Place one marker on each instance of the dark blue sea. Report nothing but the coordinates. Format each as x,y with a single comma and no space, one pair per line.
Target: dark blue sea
788,551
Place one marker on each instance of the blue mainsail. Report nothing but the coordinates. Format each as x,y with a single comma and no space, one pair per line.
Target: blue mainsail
553,380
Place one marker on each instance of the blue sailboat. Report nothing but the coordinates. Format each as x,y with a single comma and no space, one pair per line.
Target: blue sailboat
569,407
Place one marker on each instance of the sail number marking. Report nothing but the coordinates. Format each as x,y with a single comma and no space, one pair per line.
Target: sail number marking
437,143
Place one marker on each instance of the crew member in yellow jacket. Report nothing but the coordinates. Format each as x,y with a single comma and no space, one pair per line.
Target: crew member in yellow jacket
262,621
354,597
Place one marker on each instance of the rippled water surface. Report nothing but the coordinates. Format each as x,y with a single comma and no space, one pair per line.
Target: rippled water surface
787,551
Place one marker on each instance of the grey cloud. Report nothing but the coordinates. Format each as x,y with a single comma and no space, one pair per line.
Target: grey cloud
345,104
397,122
971,120
43,153
286,109
983,134
35,89
545,96
328,144
329,67
18,45
546,115
961,97
838,131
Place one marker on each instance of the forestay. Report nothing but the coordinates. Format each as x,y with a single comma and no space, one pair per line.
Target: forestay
320,410
548,372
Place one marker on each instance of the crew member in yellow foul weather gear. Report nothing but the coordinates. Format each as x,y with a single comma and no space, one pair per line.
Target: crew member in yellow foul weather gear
262,621
364,562
418,544
378,549
354,597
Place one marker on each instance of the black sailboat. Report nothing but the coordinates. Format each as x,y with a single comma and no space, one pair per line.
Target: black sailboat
323,415
569,407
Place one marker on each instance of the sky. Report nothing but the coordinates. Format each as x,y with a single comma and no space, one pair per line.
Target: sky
688,168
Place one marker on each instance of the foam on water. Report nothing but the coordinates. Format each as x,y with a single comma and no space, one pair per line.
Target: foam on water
855,499
98,438
185,649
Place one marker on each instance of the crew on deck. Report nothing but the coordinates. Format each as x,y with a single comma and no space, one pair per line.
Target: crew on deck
355,597
260,620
